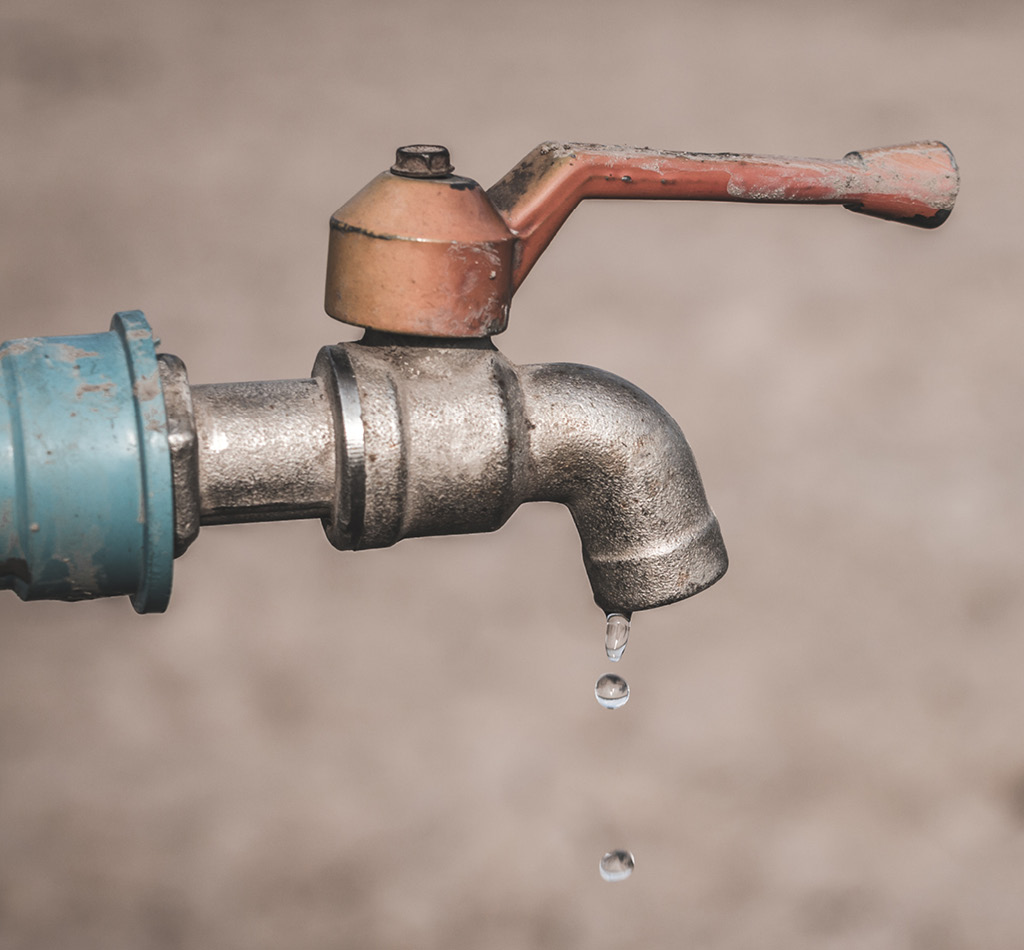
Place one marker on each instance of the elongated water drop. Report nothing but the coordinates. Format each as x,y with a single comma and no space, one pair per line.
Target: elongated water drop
617,865
615,636
611,691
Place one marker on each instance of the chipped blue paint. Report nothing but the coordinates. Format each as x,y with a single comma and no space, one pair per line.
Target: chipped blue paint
86,499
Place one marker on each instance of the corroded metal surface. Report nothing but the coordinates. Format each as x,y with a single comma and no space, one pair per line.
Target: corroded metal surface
443,434
399,437
86,499
266,451
456,438
422,251
913,184
183,442
422,161
421,256
622,466
344,524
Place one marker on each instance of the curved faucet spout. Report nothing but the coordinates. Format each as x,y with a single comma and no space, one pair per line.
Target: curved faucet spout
456,437
619,462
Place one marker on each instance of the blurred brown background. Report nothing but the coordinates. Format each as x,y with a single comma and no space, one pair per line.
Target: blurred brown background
401,748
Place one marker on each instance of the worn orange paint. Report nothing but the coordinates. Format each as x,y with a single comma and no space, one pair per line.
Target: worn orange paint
915,184
427,256
439,257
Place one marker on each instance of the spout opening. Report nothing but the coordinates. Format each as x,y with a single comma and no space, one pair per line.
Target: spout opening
622,466
644,580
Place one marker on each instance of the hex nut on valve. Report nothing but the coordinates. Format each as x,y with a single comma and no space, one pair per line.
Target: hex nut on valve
422,161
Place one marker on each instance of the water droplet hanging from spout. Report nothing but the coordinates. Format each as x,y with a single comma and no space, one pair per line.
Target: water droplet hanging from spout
615,636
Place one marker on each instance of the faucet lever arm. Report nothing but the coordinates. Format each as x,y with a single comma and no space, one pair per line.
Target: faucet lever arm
914,184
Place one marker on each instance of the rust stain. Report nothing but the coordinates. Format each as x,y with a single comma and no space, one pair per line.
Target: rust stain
105,388
437,257
914,184
147,387
19,347
64,352
16,567
71,354
154,422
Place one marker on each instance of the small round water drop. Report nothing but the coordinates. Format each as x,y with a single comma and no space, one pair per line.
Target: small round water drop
615,636
611,691
617,865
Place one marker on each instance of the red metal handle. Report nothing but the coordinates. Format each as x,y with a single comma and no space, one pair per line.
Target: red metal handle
914,184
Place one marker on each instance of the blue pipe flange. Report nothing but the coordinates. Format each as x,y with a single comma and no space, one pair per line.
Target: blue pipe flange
86,497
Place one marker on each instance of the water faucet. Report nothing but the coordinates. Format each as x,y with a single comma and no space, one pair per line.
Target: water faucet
111,461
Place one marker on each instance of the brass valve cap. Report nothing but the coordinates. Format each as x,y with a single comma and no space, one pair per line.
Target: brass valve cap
420,255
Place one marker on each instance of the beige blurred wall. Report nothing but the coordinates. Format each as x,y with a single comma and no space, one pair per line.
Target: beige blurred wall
400,748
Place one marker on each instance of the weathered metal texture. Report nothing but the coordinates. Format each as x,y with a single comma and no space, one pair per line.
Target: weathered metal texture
86,500
442,438
265,451
109,465
913,184
183,444
425,252
621,464
393,437
344,525
420,256
455,438
422,161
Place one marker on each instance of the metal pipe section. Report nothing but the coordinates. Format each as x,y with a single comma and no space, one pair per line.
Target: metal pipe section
110,461
265,451
86,499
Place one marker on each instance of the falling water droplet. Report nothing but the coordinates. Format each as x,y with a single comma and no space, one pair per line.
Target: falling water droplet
611,691
617,865
615,636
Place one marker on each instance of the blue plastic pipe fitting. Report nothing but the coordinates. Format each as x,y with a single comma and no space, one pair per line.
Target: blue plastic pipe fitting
86,496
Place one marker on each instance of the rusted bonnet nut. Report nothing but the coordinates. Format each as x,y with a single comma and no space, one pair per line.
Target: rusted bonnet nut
422,161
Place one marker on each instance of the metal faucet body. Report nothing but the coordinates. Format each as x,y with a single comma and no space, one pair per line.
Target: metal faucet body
395,438
110,461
